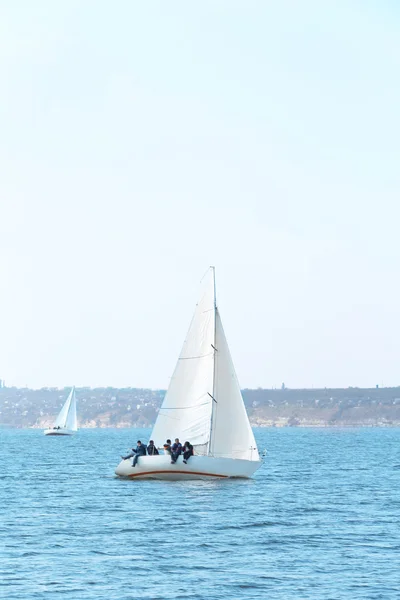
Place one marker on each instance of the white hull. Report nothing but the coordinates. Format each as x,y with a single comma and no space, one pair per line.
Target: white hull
59,432
197,467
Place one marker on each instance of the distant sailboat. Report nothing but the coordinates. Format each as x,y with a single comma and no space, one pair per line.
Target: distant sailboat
204,406
66,422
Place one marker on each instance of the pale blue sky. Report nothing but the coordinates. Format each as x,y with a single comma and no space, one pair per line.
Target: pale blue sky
143,141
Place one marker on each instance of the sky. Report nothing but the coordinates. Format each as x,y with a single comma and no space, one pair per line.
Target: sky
141,142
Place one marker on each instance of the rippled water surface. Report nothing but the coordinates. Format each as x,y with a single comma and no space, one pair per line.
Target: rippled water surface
320,519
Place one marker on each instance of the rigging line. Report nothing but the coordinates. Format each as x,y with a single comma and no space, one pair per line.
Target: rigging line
201,280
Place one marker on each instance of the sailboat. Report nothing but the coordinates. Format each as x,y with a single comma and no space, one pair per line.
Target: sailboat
203,405
66,423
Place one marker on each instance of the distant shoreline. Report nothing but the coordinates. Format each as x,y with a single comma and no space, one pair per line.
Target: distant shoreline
254,425
126,408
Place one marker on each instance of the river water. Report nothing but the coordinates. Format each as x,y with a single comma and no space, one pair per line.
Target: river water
320,520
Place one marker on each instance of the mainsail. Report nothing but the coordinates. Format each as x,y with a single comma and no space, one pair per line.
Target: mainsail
186,409
203,403
67,417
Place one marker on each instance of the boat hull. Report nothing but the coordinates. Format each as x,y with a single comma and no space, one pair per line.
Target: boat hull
197,467
59,432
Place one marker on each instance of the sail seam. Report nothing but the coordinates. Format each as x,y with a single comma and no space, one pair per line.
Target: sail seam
182,407
194,357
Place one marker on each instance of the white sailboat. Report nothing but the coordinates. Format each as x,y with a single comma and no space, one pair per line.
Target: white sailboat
66,422
203,405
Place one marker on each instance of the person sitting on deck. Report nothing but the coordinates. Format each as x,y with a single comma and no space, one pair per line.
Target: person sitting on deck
187,451
167,447
140,450
132,453
151,449
176,450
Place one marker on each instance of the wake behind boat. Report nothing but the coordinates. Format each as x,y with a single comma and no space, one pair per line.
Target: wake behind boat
66,422
204,405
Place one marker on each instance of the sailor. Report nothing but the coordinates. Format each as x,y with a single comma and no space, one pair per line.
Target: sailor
187,451
151,449
132,453
176,450
167,447
140,450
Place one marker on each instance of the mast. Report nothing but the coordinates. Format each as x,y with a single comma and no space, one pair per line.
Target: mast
213,400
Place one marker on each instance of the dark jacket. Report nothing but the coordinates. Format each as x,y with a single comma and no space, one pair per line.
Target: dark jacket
188,448
152,450
140,450
176,448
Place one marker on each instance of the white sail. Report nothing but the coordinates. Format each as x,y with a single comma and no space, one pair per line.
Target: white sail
67,416
203,403
231,433
62,417
186,409
71,422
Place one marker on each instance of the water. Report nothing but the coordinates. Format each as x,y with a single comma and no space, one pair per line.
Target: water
319,520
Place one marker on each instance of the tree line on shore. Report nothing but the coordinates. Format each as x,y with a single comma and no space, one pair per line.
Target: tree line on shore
127,407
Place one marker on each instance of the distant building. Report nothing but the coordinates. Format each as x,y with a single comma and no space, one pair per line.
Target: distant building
283,386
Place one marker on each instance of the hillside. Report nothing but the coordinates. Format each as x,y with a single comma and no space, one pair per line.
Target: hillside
131,407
